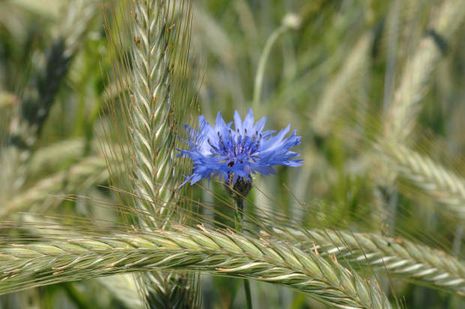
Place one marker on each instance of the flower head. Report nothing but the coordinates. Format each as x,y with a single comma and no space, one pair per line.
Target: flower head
234,154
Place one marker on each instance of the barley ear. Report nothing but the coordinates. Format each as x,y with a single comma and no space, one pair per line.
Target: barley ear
218,252
153,110
35,104
396,256
440,183
419,71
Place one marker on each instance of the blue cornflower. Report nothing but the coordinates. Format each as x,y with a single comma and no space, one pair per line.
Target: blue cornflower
235,154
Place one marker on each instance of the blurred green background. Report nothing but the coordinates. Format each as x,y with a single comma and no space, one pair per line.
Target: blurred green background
334,69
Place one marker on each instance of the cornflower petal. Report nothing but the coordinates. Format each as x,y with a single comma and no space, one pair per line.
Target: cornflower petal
237,122
248,121
260,125
234,155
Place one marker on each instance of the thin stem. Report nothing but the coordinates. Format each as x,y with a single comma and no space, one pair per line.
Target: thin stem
248,294
239,215
262,63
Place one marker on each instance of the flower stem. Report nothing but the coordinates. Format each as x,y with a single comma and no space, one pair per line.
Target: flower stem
262,63
248,295
239,215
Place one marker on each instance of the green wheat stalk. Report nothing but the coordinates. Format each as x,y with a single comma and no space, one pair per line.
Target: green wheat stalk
335,96
396,256
53,157
122,286
157,103
416,78
84,174
222,253
153,112
418,72
441,184
36,103
150,109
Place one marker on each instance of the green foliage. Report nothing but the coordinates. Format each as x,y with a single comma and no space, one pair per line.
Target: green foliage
93,99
